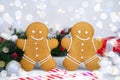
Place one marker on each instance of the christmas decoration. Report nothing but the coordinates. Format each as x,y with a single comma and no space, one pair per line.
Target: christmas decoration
14,55
109,60
110,44
19,33
8,36
13,67
1,39
63,32
60,51
110,52
3,73
105,17
110,63
116,48
8,50
2,64
5,50
59,74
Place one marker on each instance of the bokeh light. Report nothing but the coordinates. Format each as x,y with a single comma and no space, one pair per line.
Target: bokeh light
104,16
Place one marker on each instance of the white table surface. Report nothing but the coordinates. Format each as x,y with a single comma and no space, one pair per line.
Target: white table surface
37,71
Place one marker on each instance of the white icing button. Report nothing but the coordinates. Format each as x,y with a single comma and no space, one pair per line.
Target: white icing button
36,48
40,32
79,31
82,50
82,44
36,55
86,32
35,43
33,31
82,57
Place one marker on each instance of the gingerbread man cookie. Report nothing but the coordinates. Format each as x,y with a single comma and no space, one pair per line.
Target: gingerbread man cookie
81,47
37,47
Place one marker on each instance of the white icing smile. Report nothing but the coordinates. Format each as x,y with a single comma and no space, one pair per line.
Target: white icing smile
37,38
84,39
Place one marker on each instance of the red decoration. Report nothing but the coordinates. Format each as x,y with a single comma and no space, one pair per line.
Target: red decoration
1,39
59,74
63,32
61,48
14,55
116,46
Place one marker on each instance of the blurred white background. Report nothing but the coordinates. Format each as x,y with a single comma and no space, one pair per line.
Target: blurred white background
104,15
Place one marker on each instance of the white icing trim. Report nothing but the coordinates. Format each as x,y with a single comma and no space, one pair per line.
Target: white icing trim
48,45
83,39
33,62
44,60
71,60
28,59
75,60
70,44
94,46
24,45
90,59
37,38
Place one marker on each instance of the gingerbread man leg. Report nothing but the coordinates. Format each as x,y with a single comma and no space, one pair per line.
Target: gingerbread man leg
49,64
69,65
25,65
92,65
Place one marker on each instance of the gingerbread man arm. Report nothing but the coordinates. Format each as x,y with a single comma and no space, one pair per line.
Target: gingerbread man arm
65,43
20,43
98,43
53,43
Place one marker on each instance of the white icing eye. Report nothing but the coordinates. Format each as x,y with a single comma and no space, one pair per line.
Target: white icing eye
33,31
40,32
79,31
86,32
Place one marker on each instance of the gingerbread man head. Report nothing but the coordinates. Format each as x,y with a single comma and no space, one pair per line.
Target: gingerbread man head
82,31
37,31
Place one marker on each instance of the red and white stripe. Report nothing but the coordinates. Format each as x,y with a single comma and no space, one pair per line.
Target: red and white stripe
58,74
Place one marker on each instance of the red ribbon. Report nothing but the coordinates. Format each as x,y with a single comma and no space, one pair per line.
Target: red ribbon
116,47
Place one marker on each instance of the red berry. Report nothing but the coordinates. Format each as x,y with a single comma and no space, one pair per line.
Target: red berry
61,48
1,39
14,55
63,32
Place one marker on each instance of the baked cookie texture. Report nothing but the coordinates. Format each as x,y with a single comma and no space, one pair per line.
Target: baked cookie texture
81,47
37,47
